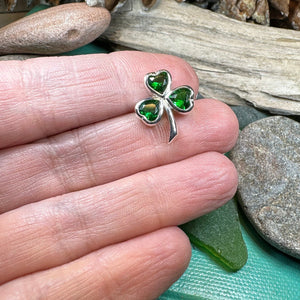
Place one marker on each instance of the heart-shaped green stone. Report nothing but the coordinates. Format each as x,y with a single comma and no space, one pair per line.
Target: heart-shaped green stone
181,98
149,109
158,82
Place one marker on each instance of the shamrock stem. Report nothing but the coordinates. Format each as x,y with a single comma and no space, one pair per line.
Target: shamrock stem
173,128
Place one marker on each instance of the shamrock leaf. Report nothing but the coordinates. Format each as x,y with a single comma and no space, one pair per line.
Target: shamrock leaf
158,82
181,99
150,110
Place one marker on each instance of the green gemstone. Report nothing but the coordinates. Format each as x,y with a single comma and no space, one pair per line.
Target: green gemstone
158,82
150,109
181,98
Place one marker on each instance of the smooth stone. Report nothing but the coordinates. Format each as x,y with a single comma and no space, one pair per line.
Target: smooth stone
248,114
54,30
267,157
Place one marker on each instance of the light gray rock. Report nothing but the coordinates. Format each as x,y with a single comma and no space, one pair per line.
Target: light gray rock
54,30
95,2
267,157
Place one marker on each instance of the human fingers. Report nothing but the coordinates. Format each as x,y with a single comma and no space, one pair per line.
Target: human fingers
109,150
58,230
141,268
44,96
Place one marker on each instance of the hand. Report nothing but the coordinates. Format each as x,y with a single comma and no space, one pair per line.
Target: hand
90,196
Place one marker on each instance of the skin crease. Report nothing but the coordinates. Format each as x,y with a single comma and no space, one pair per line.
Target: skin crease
89,196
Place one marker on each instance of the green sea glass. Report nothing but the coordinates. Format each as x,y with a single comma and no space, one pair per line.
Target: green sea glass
219,234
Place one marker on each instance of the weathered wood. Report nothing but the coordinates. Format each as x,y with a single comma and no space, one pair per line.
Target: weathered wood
236,62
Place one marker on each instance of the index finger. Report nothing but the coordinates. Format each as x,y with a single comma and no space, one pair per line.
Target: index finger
45,96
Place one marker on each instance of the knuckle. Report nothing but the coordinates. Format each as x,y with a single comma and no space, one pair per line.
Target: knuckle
62,152
227,178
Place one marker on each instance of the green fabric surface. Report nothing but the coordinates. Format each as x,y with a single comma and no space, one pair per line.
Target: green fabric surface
37,8
87,49
268,274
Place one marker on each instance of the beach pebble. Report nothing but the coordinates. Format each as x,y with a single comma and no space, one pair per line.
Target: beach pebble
267,157
248,114
54,30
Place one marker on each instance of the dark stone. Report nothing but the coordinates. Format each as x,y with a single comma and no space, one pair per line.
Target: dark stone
248,114
267,157
282,6
294,16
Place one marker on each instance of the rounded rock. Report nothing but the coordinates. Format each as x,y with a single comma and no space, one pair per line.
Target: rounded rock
267,157
54,30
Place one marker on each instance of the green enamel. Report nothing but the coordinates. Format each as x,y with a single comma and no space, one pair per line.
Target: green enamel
149,109
181,98
158,82
218,233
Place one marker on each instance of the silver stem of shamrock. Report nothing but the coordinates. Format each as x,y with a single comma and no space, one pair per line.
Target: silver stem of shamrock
173,127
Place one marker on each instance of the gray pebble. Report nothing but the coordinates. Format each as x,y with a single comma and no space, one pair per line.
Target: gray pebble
267,157
248,114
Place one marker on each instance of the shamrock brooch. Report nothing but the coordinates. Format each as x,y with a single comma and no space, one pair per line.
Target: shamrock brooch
150,110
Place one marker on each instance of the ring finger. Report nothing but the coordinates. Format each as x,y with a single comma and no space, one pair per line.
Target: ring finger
58,230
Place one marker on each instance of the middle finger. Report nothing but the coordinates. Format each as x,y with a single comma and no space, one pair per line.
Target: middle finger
109,150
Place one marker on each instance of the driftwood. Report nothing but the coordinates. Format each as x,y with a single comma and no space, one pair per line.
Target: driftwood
236,62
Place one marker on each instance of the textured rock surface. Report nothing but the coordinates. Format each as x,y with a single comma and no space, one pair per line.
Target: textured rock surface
244,10
54,30
267,156
294,16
